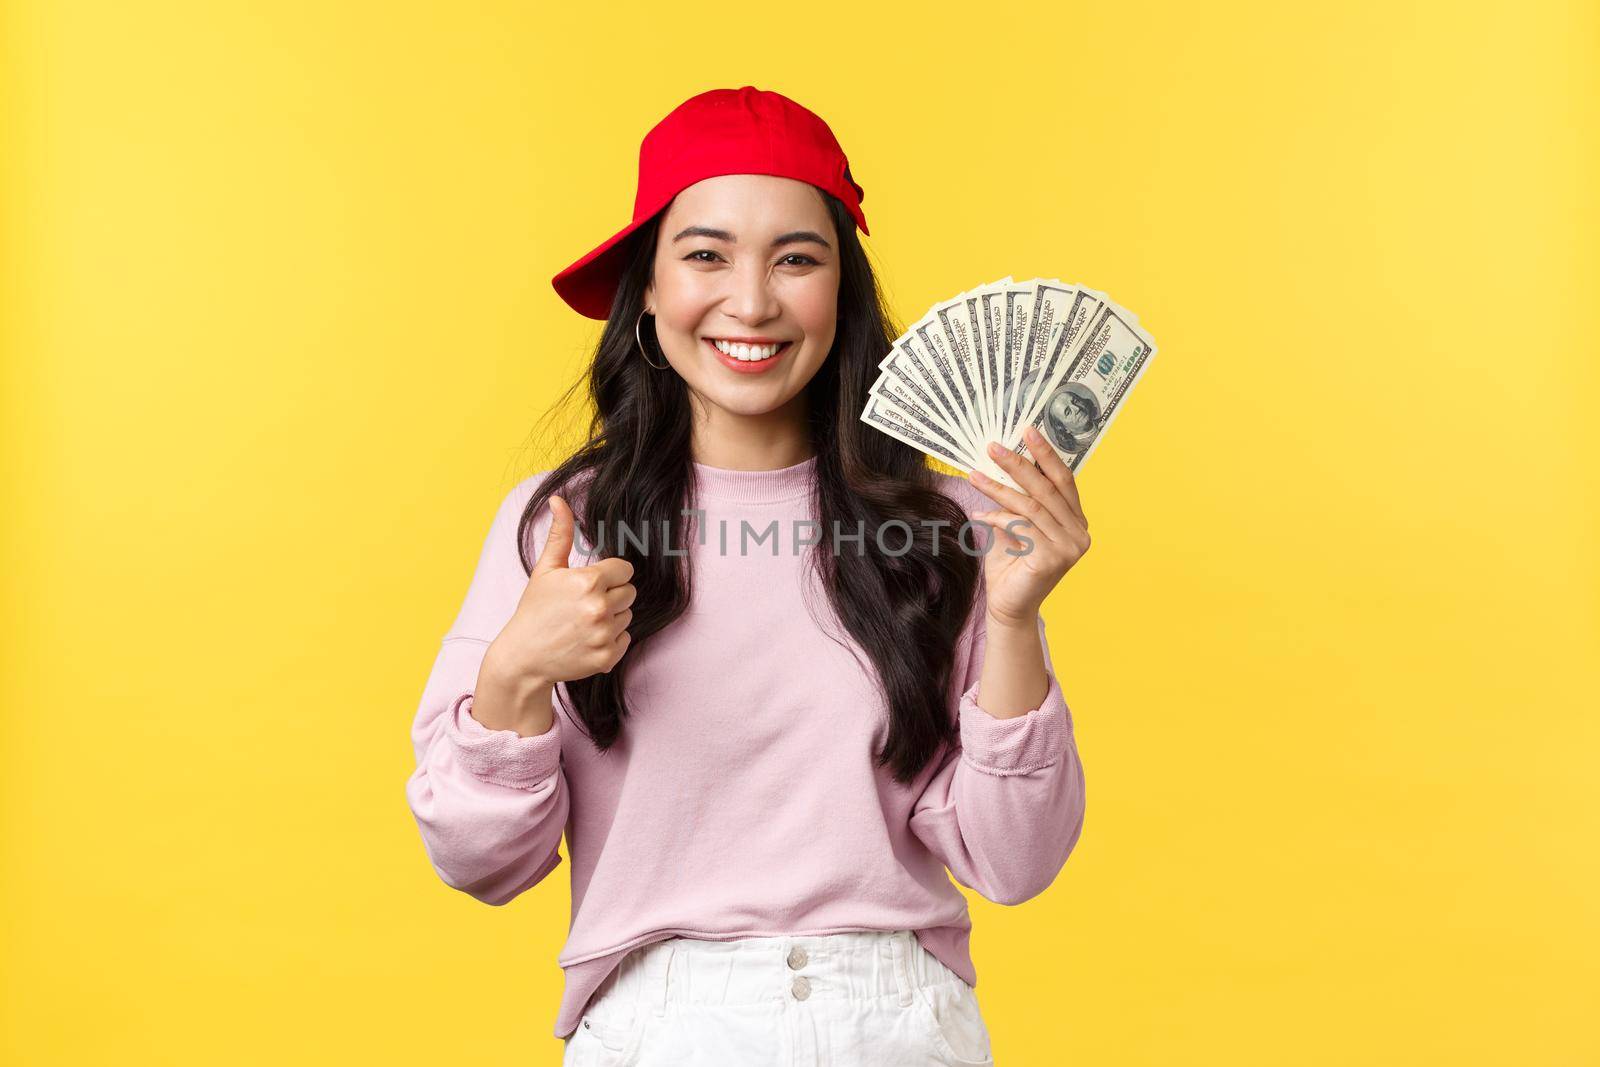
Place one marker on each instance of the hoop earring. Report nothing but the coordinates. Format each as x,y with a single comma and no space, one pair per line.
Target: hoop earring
642,350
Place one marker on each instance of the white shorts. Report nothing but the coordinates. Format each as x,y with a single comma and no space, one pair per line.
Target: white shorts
860,999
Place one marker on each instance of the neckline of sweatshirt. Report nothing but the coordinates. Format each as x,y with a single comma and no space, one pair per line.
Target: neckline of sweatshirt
775,486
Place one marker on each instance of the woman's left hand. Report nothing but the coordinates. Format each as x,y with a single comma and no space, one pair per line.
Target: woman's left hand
1048,513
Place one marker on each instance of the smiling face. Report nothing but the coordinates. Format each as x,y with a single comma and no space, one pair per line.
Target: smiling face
745,292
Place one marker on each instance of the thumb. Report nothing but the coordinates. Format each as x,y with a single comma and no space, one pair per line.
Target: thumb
558,545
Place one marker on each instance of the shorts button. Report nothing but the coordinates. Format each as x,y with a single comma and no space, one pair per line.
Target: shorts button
797,958
801,987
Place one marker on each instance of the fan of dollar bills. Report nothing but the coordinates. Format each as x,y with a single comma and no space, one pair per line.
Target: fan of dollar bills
986,364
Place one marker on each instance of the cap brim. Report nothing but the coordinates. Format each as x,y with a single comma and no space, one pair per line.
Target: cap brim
590,285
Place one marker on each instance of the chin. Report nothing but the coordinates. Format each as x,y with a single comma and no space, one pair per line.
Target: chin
750,403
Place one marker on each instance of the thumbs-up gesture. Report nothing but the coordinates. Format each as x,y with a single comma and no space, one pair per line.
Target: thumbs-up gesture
571,622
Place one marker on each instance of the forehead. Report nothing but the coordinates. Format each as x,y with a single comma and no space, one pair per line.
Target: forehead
748,205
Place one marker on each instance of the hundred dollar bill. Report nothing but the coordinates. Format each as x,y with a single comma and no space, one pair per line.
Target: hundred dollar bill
1017,307
959,322
904,425
888,417
992,349
899,386
911,365
949,346
1074,409
1056,327
950,372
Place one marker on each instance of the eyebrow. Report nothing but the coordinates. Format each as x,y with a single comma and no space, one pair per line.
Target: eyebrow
792,237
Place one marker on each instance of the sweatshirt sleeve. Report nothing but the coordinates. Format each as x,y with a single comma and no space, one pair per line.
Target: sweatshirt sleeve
491,804
1005,809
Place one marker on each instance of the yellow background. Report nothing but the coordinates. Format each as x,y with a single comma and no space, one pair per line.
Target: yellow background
278,322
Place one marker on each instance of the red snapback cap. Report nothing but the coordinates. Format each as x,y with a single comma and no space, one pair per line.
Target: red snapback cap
722,131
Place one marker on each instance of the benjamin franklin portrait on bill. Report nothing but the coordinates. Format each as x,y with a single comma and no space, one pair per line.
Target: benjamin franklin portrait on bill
1070,417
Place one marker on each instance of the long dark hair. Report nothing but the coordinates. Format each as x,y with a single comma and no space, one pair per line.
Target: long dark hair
635,471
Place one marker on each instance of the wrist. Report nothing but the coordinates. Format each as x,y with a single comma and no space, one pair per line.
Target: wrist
512,701
516,684
1000,622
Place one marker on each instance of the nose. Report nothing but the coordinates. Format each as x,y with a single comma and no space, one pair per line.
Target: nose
751,299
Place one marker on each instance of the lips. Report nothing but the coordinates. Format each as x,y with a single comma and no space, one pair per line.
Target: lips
749,366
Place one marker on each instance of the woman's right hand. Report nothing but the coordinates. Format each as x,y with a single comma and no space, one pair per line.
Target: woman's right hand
571,622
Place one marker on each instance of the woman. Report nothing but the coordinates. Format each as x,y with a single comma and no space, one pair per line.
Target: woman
740,648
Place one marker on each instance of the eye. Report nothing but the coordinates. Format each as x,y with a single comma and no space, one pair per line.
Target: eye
802,256
700,252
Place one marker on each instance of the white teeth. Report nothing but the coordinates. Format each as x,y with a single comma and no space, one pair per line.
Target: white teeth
747,353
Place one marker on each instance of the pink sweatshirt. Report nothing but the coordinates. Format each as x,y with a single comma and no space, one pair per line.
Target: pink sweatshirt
741,799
